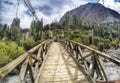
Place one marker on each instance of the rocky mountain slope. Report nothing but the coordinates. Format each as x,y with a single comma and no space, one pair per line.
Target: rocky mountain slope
92,12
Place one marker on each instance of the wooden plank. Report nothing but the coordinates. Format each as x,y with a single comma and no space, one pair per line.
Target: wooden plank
59,69
80,51
87,74
31,72
102,68
90,54
23,71
93,66
37,64
114,60
9,67
86,66
37,59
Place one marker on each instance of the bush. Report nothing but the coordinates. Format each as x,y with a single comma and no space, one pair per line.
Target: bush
9,51
4,59
78,40
115,43
107,43
100,46
94,47
29,44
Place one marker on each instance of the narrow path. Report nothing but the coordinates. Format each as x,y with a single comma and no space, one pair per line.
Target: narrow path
59,67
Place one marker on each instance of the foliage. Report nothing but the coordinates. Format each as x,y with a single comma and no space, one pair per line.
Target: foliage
100,46
115,43
9,51
36,28
28,44
94,47
78,40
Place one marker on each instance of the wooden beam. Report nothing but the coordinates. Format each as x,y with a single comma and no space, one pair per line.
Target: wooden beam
102,68
87,55
37,59
114,60
93,66
85,72
80,51
31,72
37,64
23,71
9,67
86,66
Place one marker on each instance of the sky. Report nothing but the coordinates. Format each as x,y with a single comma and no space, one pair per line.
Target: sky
49,10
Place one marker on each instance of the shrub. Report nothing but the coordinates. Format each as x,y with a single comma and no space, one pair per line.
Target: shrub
29,44
115,43
94,47
4,59
78,40
100,46
107,43
9,51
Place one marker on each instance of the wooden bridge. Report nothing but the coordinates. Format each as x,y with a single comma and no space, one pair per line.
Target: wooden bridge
63,61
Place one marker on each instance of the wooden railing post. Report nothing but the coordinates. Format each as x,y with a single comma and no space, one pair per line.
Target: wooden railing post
23,71
12,65
96,68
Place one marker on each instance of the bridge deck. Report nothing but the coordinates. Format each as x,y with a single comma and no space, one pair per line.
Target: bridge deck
59,67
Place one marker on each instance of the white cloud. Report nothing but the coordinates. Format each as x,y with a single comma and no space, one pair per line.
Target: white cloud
112,4
57,12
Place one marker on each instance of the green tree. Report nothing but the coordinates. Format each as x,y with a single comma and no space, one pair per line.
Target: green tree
15,30
100,46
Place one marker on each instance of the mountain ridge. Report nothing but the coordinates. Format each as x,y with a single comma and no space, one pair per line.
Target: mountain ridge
94,12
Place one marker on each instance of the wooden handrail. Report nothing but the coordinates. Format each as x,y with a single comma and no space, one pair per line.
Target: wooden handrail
112,59
9,67
94,55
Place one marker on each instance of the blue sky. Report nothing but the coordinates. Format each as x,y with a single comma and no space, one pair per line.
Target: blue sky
49,10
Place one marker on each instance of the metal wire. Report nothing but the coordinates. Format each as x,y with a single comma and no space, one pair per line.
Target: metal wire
28,4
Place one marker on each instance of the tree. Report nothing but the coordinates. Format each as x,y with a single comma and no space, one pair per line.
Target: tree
15,30
100,46
75,21
36,29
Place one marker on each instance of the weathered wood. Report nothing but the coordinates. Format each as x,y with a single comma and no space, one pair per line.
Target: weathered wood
97,67
98,70
9,67
42,48
93,66
102,68
86,66
114,60
40,70
80,51
37,59
100,81
90,54
31,72
87,74
23,71
37,64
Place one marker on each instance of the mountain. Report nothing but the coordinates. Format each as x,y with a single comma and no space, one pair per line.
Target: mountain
94,12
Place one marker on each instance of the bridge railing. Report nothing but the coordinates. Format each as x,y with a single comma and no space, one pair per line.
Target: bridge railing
90,61
30,60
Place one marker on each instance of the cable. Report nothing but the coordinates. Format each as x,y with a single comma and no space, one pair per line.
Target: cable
28,4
